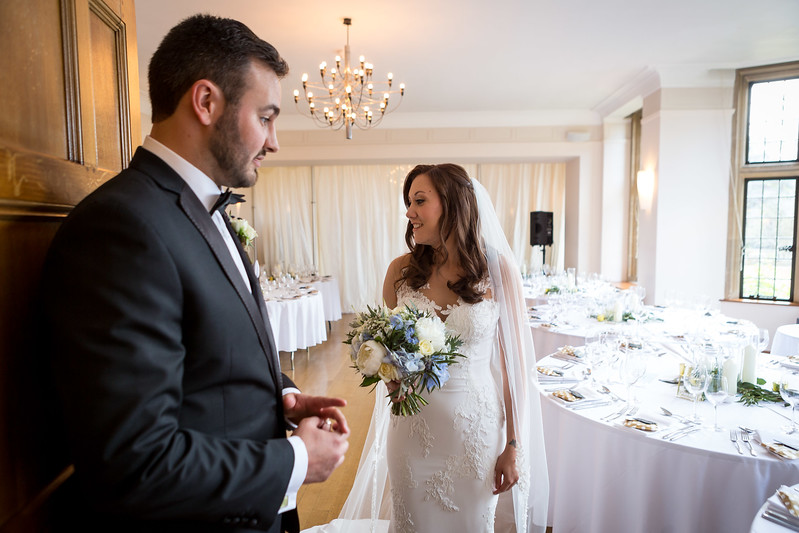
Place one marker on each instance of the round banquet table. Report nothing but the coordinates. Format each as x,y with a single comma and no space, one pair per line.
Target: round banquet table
298,320
571,327
607,477
786,340
328,286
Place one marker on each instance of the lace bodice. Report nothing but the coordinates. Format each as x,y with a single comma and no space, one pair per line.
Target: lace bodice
471,322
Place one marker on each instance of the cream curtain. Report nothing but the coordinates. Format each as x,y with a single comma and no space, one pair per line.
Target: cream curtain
361,227
518,189
350,220
283,217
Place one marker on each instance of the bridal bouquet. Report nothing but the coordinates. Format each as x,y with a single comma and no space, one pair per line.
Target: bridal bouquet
404,345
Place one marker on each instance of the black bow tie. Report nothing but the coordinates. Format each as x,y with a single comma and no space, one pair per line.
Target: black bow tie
226,198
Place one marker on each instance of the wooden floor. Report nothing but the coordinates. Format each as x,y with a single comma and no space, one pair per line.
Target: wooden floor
327,371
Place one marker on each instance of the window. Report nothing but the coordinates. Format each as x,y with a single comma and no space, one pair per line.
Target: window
766,171
769,222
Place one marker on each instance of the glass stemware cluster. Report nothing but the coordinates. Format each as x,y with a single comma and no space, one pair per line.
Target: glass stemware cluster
789,390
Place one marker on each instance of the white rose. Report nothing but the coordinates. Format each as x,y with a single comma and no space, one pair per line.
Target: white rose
431,329
389,372
426,347
370,357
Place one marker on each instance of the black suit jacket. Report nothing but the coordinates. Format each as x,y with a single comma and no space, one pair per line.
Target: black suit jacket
164,361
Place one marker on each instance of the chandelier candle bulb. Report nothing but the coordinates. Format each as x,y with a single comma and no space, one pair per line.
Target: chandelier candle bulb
353,92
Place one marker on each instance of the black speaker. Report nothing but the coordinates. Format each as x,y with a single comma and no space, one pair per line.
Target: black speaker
541,228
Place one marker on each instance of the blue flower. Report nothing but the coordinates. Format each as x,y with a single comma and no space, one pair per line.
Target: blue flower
410,335
441,371
396,322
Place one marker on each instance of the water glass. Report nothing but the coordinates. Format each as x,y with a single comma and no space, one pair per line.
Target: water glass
716,393
695,380
632,368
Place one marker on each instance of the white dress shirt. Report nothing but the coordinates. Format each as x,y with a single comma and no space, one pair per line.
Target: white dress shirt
207,192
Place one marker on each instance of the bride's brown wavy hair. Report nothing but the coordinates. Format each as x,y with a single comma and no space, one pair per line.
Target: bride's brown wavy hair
459,218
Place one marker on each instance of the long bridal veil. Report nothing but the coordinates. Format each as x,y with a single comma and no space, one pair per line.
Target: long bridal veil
524,507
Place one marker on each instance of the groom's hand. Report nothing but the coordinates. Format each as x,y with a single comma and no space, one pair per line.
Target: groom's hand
299,406
326,446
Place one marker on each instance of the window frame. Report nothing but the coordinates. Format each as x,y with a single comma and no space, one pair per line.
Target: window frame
742,171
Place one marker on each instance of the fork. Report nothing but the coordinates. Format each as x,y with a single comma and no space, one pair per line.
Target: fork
614,415
745,439
734,439
631,412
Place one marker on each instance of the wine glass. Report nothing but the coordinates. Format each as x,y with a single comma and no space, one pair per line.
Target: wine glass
695,381
631,369
593,354
789,390
716,393
762,339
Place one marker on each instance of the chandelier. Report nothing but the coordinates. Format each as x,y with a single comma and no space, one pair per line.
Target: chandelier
347,97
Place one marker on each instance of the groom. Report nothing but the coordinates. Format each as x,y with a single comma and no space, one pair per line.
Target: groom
161,348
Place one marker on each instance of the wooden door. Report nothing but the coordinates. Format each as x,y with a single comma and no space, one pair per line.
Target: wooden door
69,120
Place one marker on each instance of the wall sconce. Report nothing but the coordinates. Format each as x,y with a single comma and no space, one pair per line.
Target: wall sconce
645,182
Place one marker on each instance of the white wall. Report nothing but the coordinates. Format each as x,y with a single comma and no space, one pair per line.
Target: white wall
615,200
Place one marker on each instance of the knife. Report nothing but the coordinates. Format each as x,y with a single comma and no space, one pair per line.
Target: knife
777,519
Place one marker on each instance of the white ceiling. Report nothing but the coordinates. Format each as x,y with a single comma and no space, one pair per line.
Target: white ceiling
490,59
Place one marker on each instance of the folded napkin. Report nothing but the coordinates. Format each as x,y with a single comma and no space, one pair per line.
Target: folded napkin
645,421
573,395
556,374
790,499
570,353
777,508
782,446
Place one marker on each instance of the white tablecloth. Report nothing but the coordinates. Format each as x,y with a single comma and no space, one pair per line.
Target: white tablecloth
604,477
786,340
297,323
328,286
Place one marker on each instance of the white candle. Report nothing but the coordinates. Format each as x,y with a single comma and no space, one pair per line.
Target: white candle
730,371
618,311
749,370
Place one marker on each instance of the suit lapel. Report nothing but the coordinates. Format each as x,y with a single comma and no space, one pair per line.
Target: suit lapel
200,218
167,178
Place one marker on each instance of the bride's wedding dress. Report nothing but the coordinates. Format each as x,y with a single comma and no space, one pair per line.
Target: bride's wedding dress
441,461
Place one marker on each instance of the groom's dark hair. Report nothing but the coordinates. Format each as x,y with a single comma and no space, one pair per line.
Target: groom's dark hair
460,219
206,47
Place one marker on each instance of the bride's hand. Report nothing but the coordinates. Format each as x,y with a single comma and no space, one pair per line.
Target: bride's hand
506,475
392,386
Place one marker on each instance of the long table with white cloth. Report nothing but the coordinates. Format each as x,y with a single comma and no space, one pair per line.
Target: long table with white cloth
297,317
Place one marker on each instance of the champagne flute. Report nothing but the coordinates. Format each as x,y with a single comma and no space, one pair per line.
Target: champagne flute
789,390
695,381
716,393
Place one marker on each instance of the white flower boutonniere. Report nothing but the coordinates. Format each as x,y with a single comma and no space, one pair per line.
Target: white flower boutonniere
244,231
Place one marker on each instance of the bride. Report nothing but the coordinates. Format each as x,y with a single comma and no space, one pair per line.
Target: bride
473,459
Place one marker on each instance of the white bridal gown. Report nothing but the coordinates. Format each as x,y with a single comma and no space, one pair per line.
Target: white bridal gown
441,461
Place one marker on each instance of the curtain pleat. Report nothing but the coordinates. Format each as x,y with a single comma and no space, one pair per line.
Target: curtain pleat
359,218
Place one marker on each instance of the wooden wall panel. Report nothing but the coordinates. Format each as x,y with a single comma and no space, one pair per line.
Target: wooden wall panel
70,121
107,52
32,86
